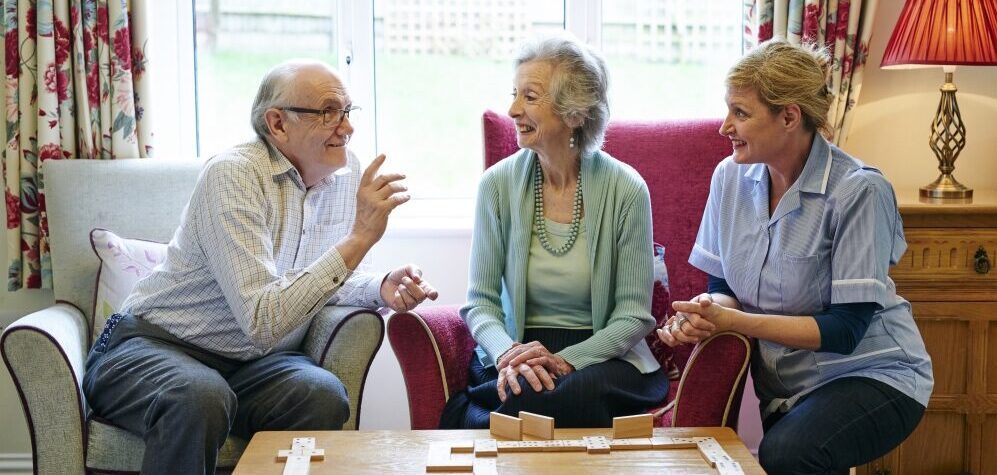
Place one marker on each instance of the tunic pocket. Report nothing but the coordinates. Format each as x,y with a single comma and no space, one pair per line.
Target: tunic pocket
800,285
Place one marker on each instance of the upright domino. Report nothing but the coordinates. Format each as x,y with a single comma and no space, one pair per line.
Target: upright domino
640,426
536,425
508,427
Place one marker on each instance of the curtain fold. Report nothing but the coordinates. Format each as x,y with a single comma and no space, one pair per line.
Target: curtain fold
75,81
843,26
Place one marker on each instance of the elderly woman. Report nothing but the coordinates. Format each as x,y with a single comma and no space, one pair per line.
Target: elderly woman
561,261
797,238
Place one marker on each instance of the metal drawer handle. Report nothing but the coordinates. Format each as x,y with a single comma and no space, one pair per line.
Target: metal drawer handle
981,262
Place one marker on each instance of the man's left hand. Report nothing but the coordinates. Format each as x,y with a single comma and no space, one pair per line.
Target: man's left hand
403,289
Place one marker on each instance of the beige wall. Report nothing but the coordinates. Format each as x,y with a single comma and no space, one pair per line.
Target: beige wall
896,107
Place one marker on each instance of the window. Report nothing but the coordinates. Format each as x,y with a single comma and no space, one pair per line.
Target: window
424,70
431,90
238,41
660,66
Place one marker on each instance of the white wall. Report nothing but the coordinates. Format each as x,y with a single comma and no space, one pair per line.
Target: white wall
890,131
443,259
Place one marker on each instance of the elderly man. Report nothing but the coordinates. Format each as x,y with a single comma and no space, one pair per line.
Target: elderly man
206,344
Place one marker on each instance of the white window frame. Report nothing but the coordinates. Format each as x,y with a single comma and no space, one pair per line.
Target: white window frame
583,18
174,102
356,63
175,106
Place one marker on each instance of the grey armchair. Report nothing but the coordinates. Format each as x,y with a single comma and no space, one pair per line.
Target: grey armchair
45,351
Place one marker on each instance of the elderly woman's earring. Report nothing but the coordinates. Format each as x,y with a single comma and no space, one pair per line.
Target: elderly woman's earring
571,141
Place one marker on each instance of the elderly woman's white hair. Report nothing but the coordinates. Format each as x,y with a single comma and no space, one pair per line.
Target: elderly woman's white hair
579,85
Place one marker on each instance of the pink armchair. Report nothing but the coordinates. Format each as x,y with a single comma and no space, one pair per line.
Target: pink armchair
676,158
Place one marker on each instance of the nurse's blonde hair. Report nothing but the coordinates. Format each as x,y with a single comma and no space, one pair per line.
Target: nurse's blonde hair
783,74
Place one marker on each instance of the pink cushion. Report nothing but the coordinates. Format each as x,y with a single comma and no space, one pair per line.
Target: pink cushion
123,262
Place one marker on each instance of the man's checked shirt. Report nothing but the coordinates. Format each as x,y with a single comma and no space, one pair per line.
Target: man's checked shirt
254,258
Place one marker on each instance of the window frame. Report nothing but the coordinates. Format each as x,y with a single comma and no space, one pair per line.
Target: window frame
172,44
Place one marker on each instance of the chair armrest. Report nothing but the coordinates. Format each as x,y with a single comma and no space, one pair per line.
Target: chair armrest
434,349
344,340
45,353
709,393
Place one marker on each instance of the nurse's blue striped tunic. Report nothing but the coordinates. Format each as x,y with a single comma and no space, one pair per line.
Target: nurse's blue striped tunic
830,240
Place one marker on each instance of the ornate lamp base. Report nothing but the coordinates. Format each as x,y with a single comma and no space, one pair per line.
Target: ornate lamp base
946,187
948,137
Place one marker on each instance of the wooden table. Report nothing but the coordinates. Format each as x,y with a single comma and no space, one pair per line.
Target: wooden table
384,451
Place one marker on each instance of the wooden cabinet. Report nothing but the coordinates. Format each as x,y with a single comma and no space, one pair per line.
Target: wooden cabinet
955,306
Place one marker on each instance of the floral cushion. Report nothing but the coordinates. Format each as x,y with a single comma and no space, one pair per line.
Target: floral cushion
661,304
122,263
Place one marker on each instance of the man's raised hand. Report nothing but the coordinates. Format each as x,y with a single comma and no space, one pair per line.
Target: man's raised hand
377,196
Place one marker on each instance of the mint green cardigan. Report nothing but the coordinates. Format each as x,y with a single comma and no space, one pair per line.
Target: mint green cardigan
618,223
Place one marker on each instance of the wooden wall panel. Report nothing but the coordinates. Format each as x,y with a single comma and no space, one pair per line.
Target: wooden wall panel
991,362
937,446
989,443
947,340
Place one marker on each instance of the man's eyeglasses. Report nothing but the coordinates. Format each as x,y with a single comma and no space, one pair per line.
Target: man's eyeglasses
330,116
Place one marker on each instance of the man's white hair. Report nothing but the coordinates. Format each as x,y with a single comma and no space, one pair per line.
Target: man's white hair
275,90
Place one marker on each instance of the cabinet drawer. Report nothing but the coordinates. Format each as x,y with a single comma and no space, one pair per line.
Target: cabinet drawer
940,264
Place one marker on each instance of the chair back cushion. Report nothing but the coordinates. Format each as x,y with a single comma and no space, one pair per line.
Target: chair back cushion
138,198
676,159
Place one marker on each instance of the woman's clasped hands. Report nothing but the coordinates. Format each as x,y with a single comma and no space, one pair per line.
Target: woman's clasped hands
538,366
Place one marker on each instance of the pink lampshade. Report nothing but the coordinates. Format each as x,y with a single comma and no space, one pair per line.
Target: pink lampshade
944,33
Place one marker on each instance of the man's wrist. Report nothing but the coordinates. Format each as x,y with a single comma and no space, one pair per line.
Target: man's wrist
383,289
360,241
353,248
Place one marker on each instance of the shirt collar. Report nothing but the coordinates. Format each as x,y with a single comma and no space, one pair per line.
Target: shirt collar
280,165
816,170
756,172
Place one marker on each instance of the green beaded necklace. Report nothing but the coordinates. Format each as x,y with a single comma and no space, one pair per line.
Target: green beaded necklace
538,214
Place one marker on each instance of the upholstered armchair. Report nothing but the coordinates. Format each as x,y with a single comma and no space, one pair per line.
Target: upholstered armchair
676,158
45,351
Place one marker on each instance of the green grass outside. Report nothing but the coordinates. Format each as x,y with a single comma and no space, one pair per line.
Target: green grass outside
429,107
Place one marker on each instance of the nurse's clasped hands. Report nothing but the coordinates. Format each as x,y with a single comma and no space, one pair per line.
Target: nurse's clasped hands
695,320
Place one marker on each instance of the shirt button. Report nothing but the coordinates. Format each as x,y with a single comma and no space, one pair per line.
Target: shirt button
335,280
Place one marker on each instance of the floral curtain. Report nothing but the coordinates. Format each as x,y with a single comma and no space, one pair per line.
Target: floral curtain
75,83
843,26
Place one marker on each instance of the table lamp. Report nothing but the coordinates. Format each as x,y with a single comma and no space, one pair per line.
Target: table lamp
946,33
